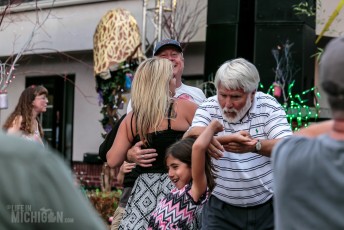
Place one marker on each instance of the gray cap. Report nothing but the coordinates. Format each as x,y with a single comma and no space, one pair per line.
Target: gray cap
331,71
164,43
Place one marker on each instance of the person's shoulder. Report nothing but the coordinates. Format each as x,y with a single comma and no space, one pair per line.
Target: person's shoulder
191,87
264,97
181,100
15,125
181,104
109,139
291,155
263,100
289,145
18,119
192,90
210,100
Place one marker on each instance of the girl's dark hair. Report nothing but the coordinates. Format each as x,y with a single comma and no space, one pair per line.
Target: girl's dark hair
182,150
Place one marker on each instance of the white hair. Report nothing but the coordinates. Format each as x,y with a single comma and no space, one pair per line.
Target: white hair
237,74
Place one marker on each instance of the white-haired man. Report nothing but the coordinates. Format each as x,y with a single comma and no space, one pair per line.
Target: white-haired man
242,198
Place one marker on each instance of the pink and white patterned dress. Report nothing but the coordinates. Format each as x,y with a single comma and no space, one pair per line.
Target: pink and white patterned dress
178,210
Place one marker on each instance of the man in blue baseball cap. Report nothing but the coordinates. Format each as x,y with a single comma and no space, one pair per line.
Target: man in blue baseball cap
172,50
164,43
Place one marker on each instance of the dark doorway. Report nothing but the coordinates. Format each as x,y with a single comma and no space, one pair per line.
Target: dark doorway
57,122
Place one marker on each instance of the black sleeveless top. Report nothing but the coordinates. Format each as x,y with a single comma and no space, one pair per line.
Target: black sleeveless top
160,141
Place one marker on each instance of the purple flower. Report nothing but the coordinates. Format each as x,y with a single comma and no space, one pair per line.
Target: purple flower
107,128
100,98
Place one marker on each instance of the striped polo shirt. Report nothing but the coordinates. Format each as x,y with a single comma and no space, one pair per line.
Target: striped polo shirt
246,179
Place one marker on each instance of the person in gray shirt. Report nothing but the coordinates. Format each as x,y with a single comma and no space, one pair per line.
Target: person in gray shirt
309,171
38,190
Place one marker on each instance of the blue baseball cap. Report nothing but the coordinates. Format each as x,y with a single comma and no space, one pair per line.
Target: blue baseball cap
164,43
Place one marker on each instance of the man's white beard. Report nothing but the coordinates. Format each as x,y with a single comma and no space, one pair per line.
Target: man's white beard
239,114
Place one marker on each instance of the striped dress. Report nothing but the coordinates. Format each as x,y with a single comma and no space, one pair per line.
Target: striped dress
246,179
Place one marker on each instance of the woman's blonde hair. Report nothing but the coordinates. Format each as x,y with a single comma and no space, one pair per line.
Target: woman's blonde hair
150,94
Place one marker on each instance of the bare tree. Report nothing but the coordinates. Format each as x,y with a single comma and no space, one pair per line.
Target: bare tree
7,66
184,22
180,20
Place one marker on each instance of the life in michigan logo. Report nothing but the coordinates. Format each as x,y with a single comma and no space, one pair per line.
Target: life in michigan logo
25,214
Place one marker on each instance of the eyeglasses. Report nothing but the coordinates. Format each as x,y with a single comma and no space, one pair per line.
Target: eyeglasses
42,97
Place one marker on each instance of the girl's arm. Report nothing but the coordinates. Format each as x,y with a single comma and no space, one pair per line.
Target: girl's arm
199,149
126,167
122,143
120,175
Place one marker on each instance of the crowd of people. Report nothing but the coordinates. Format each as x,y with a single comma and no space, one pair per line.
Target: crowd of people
247,135
230,161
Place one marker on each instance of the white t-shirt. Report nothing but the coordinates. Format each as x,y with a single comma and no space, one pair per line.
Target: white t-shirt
190,93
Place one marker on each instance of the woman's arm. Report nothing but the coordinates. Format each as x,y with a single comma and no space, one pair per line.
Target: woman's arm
199,149
122,143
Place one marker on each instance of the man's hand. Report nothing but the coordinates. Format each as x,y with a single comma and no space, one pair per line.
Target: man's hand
142,157
215,149
240,142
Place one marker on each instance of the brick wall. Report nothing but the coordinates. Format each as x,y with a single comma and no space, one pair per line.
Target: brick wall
89,174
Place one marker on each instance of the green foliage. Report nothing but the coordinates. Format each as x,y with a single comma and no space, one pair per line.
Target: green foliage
110,93
104,202
296,106
318,54
304,8
298,111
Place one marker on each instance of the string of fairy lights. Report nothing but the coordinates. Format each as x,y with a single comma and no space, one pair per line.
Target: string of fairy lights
299,113
298,110
6,76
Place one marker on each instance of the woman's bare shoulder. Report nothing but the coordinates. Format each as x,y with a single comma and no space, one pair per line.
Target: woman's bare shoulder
17,120
186,103
16,123
185,108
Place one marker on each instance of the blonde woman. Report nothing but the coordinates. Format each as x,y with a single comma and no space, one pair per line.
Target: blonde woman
159,120
24,120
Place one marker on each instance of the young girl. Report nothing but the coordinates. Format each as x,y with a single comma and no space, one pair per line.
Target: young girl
190,169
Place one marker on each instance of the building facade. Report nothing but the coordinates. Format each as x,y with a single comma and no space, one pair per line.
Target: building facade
61,58
60,55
